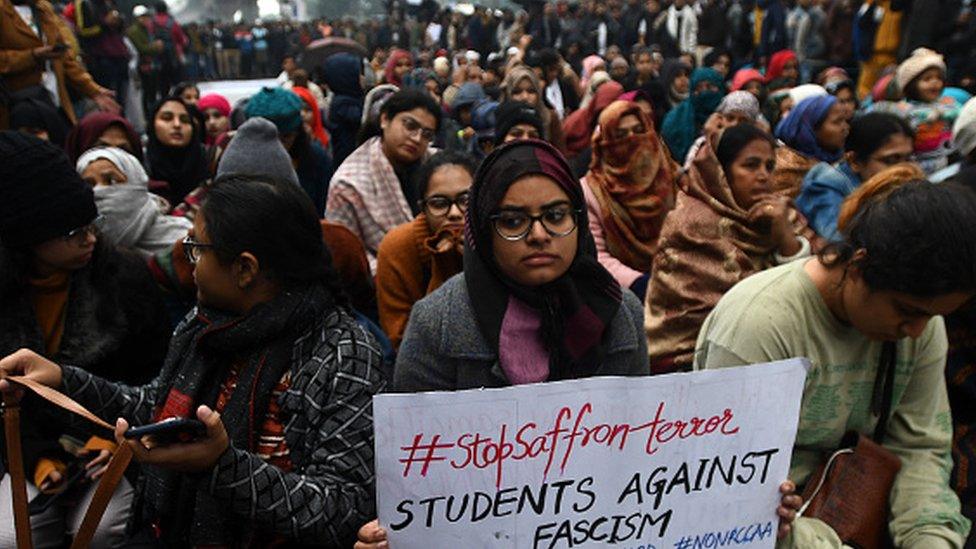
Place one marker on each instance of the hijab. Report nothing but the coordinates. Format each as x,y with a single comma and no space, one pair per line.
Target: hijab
799,129
133,217
633,181
90,128
683,124
777,63
318,130
36,114
570,316
183,168
590,64
514,77
579,125
389,74
669,73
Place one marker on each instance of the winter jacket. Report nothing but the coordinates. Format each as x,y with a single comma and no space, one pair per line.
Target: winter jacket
824,189
443,349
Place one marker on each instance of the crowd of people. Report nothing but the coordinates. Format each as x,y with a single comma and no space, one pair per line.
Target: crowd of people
482,200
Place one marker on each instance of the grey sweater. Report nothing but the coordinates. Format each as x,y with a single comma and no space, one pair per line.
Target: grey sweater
443,349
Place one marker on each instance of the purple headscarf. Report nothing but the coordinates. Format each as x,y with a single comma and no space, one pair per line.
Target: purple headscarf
799,129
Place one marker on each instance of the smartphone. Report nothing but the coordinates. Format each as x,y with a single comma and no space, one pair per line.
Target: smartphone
169,431
74,477
60,48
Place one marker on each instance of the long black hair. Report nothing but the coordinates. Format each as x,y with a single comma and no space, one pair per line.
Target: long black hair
276,221
870,132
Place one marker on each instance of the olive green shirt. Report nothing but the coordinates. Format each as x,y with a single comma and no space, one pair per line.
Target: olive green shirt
779,314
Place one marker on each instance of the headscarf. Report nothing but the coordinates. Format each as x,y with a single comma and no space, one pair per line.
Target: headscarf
682,125
633,181
669,73
514,76
777,62
579,125
318,130
341,73
741,102
805,91
36,114
133,218
389,74
85,135
184,169
597,79
744,76
799,129
417,78
569,316
590,64
220,104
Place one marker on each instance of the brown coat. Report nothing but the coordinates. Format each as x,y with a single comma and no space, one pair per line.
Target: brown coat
408,268
18,68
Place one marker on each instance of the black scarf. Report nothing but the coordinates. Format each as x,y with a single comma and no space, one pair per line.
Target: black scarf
183,168
576,309
260,344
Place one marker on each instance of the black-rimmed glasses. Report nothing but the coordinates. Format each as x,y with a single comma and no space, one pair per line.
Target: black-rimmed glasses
193,250
514,225
440,205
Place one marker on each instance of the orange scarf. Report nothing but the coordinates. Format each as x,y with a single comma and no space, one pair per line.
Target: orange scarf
50,298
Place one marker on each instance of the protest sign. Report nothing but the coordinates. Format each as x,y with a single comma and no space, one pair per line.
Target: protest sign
679,461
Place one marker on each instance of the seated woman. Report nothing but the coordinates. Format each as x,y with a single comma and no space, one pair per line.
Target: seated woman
175,153
814,131
875,142
312,117
274,365
216,111
133,219
102,129
905,261
70,295
727,224
579,125
416,258
522,84
629,190
684,123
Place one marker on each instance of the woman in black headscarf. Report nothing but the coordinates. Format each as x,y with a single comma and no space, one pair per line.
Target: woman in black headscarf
342,72
175,152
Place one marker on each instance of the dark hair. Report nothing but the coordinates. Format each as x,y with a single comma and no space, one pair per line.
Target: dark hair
274,220
548,58
441,159
917,238
161,7
736,138
713,56
911,89
639,51
182,87
869,132
410,99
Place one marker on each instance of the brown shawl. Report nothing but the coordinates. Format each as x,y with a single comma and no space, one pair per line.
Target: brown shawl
706,247
633,181
791,168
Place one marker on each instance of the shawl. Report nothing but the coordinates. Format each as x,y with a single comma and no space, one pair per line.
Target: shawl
683,124
133,218
318,130
85,135
590,64
744,76
578,126
550,332
184,169
799,129
706,247
669,73
389,73
633,181
791,168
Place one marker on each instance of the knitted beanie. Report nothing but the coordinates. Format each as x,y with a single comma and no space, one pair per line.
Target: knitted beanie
280,106
255,151
214,101
964,129
42,197
921,60
513,113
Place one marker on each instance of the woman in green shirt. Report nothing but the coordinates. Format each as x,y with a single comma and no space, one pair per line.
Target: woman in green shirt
907,259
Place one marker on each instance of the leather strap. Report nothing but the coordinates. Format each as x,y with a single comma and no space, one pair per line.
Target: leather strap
106,485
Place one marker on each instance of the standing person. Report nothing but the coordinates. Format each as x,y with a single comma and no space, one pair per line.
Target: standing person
245,45
274,364
342,75
906,261
677,29
262,60
729,186
175,152
142,34
230,54
101,30
560,93
71,296
174,42
372,191
416,258
814,131
876,141
876,38
772,36
35,62
629,190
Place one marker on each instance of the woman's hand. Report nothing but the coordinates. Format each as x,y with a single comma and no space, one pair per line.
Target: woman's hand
771,215
47,53
95,468
371,536
29,364
190,457
789,505
52,482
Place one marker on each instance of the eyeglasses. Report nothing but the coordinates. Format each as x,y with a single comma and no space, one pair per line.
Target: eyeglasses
415,129
81,233
440,205
193,250
515,225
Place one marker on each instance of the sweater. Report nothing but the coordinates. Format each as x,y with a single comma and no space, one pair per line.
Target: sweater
780,314
408,267
624,275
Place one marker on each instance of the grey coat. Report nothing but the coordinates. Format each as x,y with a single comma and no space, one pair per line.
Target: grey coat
443,349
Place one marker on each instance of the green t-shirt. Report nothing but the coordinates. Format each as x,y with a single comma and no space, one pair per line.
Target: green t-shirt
779,314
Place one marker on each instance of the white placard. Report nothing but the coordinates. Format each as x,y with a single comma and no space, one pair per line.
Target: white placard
666,462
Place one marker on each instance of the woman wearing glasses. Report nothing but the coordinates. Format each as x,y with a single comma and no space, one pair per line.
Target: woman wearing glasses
416,258
629,190
726,225
372,191
70,295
